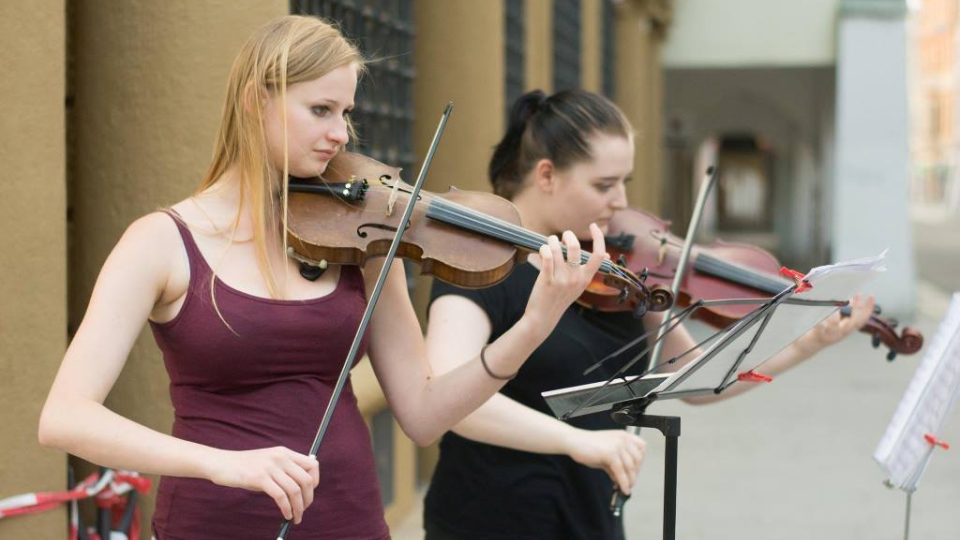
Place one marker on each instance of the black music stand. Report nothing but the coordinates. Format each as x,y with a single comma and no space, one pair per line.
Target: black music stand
729,356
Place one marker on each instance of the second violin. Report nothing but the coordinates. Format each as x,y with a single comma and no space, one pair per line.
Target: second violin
645,245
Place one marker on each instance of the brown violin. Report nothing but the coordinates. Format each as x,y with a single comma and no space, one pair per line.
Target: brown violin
469,239
643,243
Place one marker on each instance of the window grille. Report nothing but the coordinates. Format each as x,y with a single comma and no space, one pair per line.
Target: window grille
608,39
384,31
514,51
566,44
384,454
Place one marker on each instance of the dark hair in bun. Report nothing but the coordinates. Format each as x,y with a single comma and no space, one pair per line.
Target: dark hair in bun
554,128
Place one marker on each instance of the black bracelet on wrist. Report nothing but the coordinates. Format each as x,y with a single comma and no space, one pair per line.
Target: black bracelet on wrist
483,361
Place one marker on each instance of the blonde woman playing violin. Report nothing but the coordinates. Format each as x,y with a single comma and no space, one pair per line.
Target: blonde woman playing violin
511,470
249,344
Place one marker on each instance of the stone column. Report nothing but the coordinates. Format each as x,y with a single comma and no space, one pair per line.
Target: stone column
871,185
459,56
538,41
149,82
640,31
33,313
591,48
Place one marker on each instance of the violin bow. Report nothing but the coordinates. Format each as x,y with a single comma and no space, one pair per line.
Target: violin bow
374,297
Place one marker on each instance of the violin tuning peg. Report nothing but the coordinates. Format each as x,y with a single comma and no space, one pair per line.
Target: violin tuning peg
893,323
875,341
891,355
640,310
644,274
877,310
621,260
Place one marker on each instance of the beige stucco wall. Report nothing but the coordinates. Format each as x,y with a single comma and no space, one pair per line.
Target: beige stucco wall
459,57
32,258
638,92
591,48
149,87
538,45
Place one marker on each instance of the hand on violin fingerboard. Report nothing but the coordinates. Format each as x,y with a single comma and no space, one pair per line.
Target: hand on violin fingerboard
562,279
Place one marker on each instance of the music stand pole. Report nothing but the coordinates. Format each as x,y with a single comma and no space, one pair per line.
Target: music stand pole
906,530
669,425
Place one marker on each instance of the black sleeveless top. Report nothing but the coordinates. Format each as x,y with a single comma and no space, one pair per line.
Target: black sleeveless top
480,491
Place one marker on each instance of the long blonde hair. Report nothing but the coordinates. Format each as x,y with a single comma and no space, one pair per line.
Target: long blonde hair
285,51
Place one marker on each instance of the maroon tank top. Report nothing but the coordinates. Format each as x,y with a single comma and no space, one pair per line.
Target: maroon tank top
265,385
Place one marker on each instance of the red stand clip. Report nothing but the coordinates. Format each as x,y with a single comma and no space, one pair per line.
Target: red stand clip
936,442
797,277
753,376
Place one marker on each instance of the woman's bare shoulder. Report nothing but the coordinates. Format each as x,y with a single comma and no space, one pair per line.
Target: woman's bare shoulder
152,244
151,231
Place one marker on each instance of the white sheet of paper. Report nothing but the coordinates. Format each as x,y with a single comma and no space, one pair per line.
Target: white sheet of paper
903,452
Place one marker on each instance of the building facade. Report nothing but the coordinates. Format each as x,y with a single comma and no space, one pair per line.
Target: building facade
803,106
117,106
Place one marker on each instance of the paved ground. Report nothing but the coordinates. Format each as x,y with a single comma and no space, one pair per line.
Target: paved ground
936,239
793,460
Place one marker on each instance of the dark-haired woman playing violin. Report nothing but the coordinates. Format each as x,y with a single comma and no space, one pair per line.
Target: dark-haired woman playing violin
511,470
251,347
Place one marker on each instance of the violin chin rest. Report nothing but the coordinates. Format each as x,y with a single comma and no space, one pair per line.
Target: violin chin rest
311,272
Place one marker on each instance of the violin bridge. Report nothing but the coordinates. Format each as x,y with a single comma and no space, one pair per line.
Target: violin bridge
394,194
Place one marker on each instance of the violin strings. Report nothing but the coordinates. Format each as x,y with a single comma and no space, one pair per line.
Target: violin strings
527,238
511,233
494,226
735,273
507,231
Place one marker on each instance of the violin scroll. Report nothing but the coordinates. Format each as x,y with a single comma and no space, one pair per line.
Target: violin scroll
909,341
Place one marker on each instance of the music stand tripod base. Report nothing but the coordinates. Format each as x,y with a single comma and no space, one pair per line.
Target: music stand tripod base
633,415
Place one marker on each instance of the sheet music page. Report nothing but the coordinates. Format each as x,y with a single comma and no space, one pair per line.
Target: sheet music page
903,453
838,281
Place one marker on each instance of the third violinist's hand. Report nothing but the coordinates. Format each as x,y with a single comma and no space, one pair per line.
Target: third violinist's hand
838,326
286,476
562,281
616,451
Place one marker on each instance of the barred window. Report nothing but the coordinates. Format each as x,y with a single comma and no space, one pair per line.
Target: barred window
514,51
384,453
566,44
608,39
384,31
